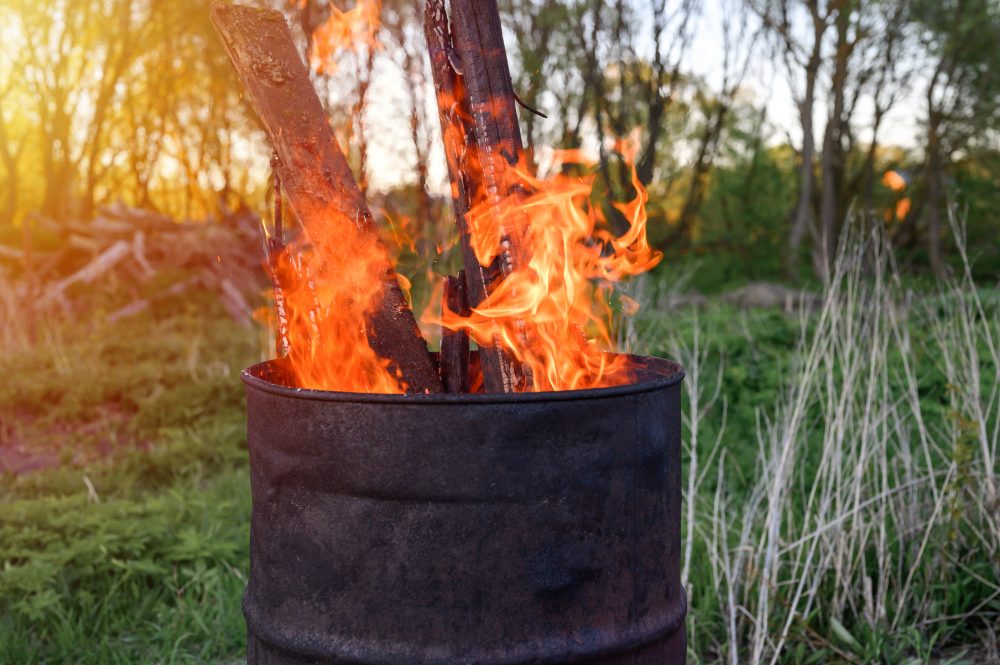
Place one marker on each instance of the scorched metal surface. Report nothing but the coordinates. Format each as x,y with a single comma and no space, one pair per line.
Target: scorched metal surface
492,529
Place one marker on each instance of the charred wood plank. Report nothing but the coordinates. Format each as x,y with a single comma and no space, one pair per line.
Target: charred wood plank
455,343
500,371
315,175
478,39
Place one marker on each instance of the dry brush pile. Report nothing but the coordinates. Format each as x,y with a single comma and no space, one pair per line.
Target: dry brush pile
138,257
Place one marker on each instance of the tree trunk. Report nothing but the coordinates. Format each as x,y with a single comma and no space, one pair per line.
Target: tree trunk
832,160
823,245
802,215
9,157
935,190
869,172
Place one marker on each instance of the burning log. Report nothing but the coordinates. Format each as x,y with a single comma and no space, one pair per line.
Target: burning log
478,40
480,133
455,343
314,172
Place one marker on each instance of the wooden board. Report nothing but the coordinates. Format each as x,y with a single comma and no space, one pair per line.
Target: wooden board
455,343
315,175
478,39
468,184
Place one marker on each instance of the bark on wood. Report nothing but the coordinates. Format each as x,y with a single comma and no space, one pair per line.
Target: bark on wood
455,343
314,172
464,152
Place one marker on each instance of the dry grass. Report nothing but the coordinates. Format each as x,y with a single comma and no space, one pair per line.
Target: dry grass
870,531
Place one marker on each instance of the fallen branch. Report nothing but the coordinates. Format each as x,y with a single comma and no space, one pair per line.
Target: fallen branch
104,262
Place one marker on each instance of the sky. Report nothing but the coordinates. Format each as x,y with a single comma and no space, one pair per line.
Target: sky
766,82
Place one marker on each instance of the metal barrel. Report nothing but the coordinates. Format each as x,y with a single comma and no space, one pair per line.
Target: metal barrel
495,529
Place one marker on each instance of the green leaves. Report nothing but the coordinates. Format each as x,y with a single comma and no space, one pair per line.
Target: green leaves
843,636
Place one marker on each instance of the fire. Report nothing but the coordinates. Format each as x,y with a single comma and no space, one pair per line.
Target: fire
553,314
330,284
560,258
351,29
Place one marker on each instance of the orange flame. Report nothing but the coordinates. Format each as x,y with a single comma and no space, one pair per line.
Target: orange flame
344,30
564,289
331,283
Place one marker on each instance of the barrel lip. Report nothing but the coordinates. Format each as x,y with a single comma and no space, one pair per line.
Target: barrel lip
668,373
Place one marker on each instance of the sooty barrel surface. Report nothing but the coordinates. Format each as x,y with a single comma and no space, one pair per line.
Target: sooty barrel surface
491,529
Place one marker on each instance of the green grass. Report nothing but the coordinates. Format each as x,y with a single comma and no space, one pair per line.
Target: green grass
148,563
135,549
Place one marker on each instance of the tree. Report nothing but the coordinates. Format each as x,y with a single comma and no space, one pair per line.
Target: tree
962,93
11,146
802,56
832,51
739,41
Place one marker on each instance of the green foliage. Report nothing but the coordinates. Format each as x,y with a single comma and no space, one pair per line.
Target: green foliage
163,369
137,552
978,197
142,579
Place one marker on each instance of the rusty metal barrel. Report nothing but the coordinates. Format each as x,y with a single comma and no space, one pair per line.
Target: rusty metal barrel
495,529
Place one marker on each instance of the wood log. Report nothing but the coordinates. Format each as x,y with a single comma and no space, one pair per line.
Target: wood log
103,263
454,360
131,309
500,371
139,253
85,243
315,175
478,39
136,216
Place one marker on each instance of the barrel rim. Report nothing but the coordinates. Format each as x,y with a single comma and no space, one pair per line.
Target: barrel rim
664,373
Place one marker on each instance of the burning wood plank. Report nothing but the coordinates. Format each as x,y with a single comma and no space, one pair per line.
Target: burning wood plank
471,142
477,37
315,175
